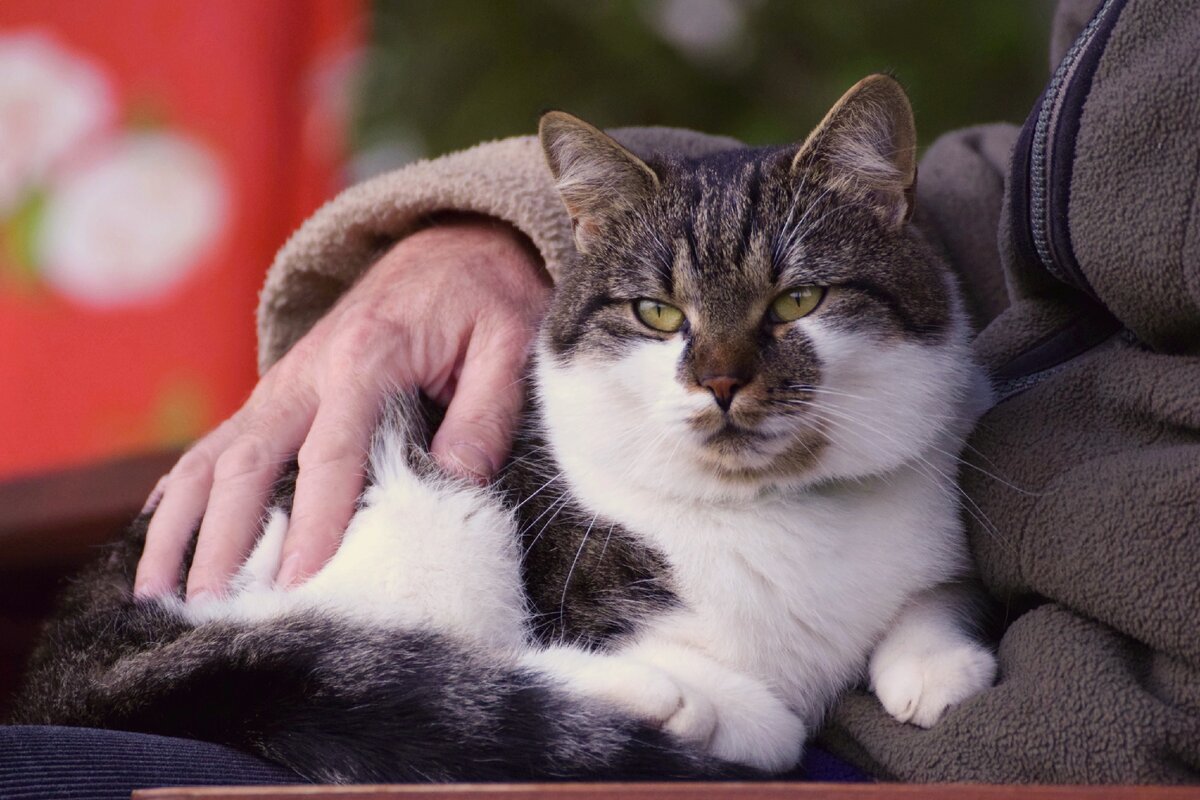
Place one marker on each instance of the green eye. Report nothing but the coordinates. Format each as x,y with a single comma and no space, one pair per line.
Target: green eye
659,316
796,303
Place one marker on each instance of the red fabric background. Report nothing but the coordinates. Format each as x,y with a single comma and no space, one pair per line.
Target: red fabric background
258,84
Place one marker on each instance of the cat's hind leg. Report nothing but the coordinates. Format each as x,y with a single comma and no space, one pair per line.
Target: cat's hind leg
928,661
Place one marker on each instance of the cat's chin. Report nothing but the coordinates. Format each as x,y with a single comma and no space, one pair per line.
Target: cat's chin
746,455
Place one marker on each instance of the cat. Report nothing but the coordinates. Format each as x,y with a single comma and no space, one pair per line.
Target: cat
732,499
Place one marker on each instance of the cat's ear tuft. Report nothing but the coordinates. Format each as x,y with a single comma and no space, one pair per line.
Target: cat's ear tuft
867,147
597,178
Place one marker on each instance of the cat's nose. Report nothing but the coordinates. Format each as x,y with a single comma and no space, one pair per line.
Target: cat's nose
723,388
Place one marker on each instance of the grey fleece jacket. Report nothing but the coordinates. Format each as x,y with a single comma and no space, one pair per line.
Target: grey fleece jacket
1081,261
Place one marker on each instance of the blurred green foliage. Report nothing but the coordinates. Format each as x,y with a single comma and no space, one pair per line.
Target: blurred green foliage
444,74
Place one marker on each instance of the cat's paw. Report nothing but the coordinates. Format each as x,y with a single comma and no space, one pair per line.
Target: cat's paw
919,687
753,725
641,690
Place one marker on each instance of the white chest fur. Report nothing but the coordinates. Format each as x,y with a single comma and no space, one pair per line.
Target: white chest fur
794,590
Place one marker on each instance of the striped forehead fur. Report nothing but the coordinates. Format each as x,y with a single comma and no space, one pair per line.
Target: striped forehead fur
724,234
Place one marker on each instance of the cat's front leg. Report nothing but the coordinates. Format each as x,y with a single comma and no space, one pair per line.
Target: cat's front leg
729,714
928,661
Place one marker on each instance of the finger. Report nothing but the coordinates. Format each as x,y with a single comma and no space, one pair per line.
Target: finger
332,464
184,496
476,434
242,478
155,496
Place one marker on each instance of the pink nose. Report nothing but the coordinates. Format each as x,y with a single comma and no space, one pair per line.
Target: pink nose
723,388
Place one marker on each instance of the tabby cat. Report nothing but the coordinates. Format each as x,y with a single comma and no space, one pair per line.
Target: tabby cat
734,498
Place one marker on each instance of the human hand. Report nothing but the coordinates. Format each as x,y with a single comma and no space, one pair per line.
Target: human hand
450,309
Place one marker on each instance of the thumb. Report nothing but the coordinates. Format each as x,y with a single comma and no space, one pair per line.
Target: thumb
476,435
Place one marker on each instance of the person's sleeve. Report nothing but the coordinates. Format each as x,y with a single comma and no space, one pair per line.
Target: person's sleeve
507,180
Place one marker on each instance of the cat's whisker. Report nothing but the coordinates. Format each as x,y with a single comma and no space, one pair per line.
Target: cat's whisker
537,491
917,462
562,603
558,505
958,459
604,547
799,232
943,482
785,241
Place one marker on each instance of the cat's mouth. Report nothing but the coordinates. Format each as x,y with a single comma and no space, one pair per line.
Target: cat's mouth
732,433
739,447
749,452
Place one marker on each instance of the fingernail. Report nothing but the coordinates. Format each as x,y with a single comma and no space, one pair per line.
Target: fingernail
471,462
199,598
155,496
148,591
289,572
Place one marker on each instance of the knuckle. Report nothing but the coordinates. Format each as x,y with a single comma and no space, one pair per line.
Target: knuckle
301,351
194,465
487,425
209,566
247,455
508,335
303,528
356,338
313,539
321,453
227,427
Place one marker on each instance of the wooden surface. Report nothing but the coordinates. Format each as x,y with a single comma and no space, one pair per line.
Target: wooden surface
678,791
59,517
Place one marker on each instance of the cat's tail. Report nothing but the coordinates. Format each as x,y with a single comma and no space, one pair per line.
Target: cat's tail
339,705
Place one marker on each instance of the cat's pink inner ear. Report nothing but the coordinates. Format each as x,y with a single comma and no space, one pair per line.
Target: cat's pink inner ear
597,178
866,147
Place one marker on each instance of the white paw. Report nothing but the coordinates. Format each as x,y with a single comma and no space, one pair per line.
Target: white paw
641,690
752,725
918,687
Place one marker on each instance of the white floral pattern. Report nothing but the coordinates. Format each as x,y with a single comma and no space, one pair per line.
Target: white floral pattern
114,217
51,102
129,224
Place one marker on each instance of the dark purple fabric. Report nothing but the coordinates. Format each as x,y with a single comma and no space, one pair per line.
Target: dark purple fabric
62,763
52,763
822,766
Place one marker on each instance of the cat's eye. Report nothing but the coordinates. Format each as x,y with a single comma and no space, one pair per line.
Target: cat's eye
796,303
658,315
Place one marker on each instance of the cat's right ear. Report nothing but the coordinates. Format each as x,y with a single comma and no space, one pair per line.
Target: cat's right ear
597,178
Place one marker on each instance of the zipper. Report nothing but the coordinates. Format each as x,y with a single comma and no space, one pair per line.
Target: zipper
1052,150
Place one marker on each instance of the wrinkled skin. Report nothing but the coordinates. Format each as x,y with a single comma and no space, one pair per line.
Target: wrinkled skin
451,309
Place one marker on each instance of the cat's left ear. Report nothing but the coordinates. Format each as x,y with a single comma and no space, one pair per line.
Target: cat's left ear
597,178
867,147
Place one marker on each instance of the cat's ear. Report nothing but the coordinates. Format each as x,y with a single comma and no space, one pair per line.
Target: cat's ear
867,147
597,178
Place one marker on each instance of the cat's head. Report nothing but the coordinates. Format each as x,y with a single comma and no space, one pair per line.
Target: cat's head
753,318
